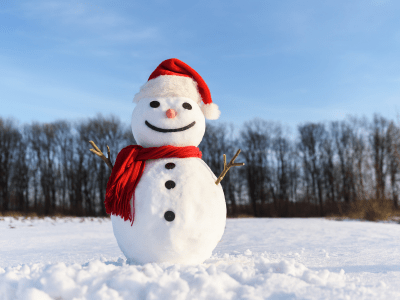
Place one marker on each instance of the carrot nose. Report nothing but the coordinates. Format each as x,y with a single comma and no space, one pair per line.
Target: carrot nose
171,113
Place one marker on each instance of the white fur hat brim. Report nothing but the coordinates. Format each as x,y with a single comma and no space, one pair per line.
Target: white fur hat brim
169,86
176,86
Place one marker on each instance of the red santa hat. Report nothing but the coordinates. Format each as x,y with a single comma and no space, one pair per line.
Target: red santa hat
174,78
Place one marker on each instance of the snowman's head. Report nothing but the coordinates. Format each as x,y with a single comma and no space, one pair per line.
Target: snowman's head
175,121
172,107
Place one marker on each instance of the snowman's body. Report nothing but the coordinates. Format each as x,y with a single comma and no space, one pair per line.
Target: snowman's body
199,208
184,186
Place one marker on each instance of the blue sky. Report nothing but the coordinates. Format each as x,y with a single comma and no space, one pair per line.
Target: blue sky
288,61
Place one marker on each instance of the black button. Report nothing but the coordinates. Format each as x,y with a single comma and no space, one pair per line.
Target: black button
169,216
170,184
170,166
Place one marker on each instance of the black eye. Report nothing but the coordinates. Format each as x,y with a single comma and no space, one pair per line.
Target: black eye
187,106
169,216
154,104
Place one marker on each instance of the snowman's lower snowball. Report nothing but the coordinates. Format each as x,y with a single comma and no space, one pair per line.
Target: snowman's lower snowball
198,206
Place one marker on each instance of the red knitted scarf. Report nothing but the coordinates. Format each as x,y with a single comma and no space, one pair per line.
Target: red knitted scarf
128,170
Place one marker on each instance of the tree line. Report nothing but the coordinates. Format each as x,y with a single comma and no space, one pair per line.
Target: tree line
324,169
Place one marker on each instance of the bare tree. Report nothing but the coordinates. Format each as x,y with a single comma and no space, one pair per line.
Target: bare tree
343,137
312,139
9,140
20,178
379,143
43,143
256,140
393,143
285,174
328,151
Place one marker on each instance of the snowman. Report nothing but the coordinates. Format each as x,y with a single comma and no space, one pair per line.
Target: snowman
166,204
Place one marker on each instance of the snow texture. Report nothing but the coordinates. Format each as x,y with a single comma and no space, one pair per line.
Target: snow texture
76,258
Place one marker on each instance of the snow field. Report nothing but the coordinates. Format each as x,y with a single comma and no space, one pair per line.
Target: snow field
222,278
256,259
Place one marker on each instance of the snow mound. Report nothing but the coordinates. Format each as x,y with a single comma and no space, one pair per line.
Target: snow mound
228,277
78,258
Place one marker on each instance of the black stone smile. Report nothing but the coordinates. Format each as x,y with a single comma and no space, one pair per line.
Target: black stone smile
169,130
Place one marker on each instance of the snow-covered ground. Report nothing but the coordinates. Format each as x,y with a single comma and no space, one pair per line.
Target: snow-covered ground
74,258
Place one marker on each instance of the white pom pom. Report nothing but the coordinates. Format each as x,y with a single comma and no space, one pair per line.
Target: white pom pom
210,111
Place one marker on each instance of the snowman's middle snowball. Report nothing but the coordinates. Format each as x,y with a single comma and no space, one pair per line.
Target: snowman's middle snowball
147,136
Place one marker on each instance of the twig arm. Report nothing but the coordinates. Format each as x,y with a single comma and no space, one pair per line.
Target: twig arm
109,154
100,154
227,167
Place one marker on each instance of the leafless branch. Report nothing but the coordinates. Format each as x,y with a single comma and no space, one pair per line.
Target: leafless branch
100,154
227,167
